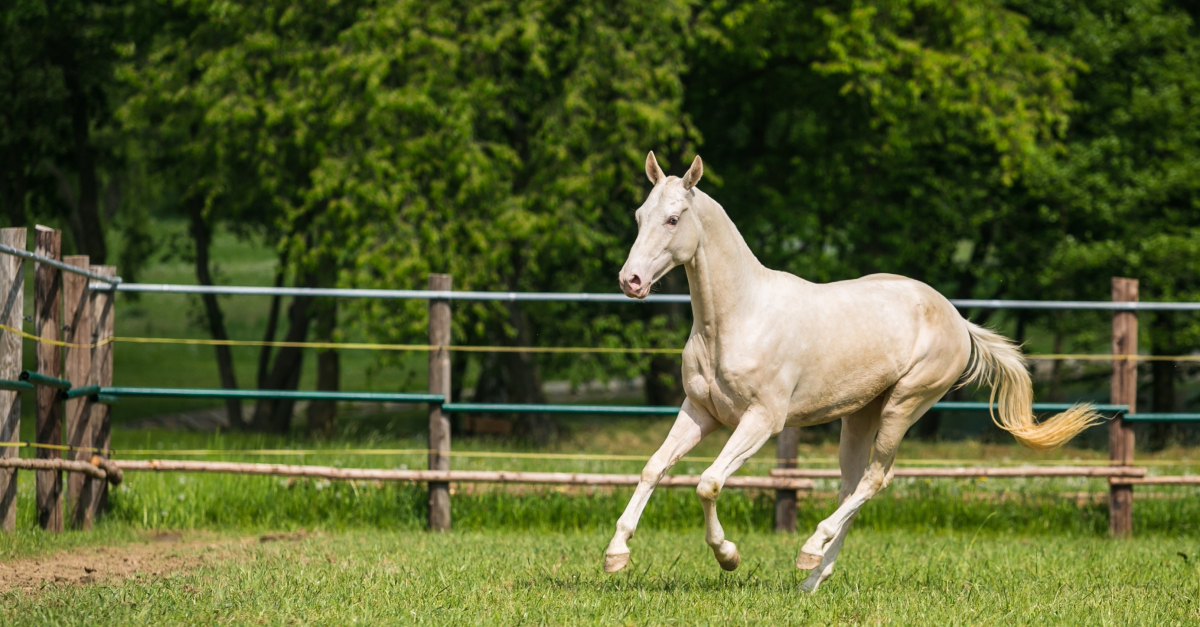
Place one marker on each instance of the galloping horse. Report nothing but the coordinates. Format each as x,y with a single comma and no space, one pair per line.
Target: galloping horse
770,350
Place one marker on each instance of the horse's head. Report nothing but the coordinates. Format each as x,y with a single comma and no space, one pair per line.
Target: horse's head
668,229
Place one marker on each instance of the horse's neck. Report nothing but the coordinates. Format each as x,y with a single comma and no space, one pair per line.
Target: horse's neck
723,273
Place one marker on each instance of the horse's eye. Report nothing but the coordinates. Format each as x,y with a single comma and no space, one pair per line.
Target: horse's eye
673,220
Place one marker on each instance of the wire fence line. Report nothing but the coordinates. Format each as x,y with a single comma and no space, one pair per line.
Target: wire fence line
249,290
106,282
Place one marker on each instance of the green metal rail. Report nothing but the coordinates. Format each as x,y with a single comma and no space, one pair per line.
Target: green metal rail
1162,417
496,408
41,379
110,395
980,406
507,408
16,386
87,390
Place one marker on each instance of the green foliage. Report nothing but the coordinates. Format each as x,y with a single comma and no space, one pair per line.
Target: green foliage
63,158
858,137
492,141
1123,197
993,149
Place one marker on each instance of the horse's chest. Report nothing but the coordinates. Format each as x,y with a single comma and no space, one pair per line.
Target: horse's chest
710,385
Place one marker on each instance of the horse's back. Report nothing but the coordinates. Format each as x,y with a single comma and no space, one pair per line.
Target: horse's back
853,339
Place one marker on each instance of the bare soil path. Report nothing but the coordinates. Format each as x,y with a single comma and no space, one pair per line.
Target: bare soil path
157,555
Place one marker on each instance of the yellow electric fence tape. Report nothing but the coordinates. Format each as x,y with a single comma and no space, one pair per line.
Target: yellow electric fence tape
498,349
56,447
346,345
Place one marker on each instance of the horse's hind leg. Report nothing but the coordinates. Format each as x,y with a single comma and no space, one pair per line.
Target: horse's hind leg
901,409
854,453
690,427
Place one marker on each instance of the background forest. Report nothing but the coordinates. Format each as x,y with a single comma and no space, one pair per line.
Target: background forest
1024,150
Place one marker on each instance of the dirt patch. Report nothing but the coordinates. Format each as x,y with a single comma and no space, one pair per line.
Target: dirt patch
284,537
158,555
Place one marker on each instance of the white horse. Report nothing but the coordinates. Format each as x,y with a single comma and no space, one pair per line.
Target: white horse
770,350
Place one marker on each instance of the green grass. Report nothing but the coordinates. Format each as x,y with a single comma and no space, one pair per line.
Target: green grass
399,577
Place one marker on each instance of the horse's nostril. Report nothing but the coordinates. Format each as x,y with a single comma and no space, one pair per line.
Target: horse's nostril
635,281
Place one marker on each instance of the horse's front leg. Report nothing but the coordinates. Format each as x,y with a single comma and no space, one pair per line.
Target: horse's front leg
690,427
751,434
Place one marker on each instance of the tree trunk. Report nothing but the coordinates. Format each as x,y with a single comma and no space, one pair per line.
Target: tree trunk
524,382
1162,396
458,373
202,236
88,231
1056,395
264,354
322,415
12,187
276,415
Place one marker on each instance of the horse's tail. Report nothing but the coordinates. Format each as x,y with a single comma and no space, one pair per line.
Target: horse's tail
997,363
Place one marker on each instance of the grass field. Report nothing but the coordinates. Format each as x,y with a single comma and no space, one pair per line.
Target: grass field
931,553
510,578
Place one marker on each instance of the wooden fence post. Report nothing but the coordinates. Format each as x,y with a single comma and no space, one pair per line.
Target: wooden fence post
47,286
12,311
77,312
103,311
439,383
786,447
1124,392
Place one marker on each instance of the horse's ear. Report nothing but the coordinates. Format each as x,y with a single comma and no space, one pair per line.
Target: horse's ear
693,174
653,172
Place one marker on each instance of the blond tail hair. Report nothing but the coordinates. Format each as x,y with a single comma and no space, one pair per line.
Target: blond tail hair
997,363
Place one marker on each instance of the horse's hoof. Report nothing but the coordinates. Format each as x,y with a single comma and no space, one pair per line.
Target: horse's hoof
807,561
613,563
729,563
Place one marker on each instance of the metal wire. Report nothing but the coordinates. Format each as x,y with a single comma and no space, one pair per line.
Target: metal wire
311,395
107,281
592,298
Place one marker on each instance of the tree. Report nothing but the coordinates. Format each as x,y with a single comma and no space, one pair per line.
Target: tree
858,137
496,141
59,146
1124,194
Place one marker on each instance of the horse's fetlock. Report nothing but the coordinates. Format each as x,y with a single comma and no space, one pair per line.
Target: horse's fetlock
708,488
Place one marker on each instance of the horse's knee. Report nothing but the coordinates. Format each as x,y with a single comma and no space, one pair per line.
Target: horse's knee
652,473
709,487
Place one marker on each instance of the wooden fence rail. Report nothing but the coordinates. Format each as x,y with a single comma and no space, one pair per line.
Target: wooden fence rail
450,476
976,472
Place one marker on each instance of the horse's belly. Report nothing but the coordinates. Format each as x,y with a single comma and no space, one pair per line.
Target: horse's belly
819,404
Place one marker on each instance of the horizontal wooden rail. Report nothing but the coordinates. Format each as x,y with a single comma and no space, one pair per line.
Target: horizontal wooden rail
1177,480
90,470
454,476
987,471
